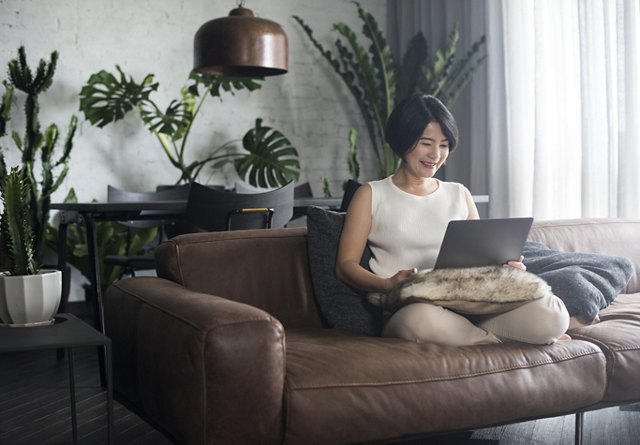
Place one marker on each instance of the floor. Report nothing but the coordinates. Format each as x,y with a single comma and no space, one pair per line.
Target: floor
34,409
34,403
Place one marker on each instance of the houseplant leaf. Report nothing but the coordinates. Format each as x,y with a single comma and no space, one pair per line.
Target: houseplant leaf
170,121
16,234
410,70
377,84
107,98
271,162
216,85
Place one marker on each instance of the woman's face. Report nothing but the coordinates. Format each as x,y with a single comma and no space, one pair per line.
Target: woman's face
429,153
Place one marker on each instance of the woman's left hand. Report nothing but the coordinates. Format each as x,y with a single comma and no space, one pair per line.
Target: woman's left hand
517,264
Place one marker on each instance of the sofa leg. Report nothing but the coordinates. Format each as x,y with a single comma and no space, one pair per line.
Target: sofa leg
578,428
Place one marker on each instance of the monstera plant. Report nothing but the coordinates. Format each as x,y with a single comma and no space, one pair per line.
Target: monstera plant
269,159
378,80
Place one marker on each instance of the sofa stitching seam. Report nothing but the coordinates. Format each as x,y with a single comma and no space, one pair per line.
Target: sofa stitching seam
604,346
451,377
188,322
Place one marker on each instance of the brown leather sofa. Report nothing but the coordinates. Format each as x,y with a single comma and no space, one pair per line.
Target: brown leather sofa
228,347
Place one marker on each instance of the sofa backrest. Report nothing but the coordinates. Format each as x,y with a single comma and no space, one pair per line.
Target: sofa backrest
267,269
607,236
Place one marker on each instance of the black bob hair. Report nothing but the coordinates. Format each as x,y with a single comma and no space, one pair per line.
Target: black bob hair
411,116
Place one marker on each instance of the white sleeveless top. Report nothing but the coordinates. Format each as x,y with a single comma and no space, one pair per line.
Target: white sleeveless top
407,230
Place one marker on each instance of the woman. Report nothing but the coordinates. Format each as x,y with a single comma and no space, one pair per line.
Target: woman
403,219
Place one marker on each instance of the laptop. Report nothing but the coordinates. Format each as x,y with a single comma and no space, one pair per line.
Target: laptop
483,242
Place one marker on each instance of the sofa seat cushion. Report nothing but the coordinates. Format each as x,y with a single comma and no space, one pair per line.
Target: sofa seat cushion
342,388
618,335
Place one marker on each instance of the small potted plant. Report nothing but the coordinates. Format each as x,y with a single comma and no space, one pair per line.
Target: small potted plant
29,295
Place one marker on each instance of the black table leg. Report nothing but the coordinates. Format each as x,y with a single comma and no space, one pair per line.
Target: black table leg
72,389
110,430
94,270
62,260
65,219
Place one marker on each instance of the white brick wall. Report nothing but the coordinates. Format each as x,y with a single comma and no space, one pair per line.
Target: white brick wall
309,104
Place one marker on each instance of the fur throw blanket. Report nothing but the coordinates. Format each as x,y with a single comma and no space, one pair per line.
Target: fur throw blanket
474,290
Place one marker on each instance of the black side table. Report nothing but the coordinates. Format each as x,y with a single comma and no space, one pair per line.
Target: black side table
67,332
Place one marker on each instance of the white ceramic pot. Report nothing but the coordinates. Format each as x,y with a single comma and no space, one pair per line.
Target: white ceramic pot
30,299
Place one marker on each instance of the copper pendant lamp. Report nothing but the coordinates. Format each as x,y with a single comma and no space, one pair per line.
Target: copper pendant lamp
240,45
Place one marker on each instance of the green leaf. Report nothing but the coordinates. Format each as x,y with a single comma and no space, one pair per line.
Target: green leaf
216,85
382,60
326,190
271,161
352,156
5,107
16,234
171,121
377,84
411,69
107,98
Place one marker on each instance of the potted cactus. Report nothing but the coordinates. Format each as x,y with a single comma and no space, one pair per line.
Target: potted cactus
29,296
44,166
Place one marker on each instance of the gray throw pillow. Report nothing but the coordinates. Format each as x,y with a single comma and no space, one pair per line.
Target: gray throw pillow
341,306
586,282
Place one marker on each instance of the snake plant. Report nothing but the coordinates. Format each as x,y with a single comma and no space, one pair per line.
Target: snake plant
16,234
108,97
378,80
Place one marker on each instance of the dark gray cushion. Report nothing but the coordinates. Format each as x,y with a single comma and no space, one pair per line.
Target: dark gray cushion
586,282
341,306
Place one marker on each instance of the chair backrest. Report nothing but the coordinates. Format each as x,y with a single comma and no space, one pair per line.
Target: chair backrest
349,190
179,192
301,191
211,210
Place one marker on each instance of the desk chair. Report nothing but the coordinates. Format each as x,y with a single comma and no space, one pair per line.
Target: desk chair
213,210
130,262
349,190
301,191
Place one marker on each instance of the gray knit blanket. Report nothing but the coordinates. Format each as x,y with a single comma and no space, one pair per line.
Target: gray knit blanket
586,282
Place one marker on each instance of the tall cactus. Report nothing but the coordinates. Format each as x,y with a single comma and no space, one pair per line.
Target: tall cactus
43,173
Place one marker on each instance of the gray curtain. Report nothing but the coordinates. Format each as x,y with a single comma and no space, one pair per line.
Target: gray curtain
436,19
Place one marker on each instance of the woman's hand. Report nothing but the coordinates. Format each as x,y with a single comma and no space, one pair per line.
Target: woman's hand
399,277
517,264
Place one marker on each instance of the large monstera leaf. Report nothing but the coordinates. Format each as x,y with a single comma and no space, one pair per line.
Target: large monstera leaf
175,120
271,162
107,98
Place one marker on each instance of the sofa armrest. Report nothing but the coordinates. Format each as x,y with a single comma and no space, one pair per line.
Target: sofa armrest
204,368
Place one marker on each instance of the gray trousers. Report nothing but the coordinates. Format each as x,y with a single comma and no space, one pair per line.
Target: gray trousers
540,321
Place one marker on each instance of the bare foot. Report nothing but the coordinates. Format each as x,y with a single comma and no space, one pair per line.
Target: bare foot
564,337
